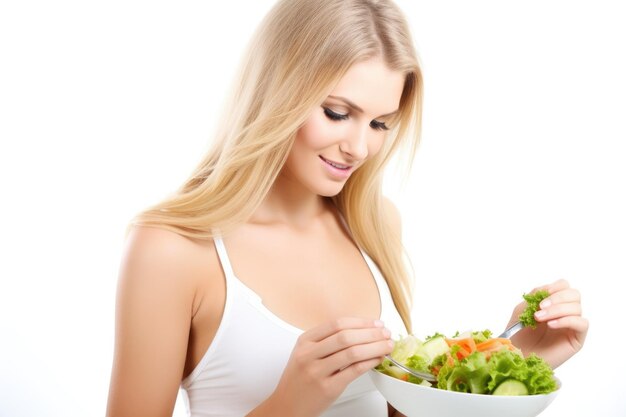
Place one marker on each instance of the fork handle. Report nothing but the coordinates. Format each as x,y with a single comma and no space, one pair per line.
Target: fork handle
508,333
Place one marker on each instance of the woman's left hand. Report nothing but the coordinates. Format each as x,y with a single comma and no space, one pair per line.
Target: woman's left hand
561,330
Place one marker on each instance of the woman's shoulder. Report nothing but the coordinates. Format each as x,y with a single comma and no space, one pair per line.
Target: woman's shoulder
157,256
165,245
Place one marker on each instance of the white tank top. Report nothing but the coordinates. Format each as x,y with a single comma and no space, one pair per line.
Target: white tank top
249,352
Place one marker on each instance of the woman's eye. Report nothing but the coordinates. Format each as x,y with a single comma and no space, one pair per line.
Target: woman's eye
334,116
378,125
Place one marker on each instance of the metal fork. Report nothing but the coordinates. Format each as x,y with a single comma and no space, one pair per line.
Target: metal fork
507,334
421,375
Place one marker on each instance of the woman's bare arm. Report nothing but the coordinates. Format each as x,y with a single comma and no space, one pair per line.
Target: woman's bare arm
153,314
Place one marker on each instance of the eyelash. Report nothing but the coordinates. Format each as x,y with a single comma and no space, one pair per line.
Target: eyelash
336,117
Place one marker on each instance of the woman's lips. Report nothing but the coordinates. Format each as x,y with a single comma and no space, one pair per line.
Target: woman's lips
337,170
336,164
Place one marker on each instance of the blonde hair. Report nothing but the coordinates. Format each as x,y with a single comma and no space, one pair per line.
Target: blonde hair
298,54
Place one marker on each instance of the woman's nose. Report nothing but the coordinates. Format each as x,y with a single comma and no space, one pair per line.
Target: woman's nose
355,144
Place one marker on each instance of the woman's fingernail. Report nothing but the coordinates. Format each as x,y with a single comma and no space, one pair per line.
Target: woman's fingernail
390,343
540,313
545,303
386,332
378,323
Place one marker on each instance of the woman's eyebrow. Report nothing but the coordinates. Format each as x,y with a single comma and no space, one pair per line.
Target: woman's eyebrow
357,108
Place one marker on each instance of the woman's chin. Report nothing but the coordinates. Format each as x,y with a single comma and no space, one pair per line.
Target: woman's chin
330,191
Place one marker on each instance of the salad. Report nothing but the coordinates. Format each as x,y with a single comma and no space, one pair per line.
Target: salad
473,362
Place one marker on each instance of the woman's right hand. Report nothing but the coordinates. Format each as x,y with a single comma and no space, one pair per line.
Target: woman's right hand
324,361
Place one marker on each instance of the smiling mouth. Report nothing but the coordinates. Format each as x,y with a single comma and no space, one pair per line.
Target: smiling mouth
335,164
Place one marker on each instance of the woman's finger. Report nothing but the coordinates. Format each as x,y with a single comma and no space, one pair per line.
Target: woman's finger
350,337
350,373
354,354
325,330
578,324
556,311
568,295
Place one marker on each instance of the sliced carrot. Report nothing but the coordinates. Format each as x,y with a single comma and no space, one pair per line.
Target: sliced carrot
491,343
467,343
466,346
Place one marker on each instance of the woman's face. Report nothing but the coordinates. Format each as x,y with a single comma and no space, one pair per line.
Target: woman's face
347,129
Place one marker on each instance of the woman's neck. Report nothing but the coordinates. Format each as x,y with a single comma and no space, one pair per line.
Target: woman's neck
291,204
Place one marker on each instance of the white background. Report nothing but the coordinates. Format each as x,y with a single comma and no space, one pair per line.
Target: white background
105,107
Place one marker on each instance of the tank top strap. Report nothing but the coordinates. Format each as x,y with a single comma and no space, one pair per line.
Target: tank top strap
223,256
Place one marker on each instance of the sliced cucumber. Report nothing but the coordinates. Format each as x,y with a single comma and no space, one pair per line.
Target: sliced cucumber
435,347
511,387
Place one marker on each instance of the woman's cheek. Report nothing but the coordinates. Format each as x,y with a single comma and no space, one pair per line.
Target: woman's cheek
375,146
311,131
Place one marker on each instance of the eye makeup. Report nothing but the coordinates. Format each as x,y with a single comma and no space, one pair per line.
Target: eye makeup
376,125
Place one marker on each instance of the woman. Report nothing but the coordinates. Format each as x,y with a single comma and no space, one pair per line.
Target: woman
274,278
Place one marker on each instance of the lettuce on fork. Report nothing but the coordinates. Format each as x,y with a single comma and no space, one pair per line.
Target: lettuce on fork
527,318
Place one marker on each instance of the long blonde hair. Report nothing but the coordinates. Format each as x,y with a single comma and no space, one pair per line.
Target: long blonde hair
298,54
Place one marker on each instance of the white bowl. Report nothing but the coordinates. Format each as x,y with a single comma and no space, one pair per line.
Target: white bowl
415,400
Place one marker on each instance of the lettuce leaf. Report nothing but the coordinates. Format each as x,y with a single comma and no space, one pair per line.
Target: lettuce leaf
506,365
419,363
533,371
541,376
527,318
468,375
